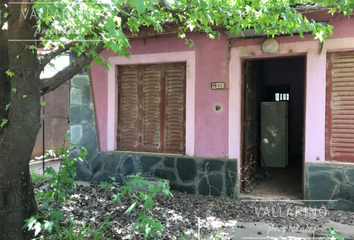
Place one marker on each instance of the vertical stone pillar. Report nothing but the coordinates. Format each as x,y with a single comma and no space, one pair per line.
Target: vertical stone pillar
83,126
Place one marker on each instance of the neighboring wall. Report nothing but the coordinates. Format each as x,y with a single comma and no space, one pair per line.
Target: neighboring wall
56,124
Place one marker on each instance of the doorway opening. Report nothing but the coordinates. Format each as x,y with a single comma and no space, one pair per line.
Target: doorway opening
273,127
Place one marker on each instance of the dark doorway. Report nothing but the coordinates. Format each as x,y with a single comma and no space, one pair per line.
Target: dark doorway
269,84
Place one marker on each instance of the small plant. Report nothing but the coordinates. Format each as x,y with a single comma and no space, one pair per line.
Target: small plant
198,236
59,182
144,223
81,230
38,178
334,235
50,153
3,123
65,178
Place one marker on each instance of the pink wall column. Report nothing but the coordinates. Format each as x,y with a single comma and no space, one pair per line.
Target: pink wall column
211,126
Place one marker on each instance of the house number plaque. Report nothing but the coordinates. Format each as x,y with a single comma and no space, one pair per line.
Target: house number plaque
217,85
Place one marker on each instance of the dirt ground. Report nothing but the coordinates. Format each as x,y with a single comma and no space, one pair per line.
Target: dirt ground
186,214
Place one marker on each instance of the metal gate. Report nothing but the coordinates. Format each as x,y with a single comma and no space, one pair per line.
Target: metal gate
54,121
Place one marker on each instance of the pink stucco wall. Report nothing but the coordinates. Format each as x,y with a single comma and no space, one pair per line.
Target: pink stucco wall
211,65
218,134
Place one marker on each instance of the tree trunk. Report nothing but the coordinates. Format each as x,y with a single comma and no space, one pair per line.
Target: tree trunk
17,137
17,140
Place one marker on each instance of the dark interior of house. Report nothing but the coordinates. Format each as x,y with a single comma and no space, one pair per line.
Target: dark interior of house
281,80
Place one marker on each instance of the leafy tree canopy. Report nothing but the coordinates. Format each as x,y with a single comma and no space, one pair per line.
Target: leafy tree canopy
88,27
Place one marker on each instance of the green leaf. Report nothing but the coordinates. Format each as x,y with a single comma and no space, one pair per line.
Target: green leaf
7,106
14,90
110,27
37,228
93,53
32,47
139,4
149,202
67,138
48,225
105,66
6,14
43,103
24,96
183,237
130,209
11,74
18,56
30,222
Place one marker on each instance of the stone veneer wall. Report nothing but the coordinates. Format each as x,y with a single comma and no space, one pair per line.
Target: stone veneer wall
187,174
331,182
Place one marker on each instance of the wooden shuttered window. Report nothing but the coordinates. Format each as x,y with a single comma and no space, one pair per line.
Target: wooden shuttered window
340,107
151,112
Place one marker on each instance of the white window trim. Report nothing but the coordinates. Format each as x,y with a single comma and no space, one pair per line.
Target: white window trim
188,57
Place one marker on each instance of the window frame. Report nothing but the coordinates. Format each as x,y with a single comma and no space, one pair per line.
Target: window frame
162,147
109,142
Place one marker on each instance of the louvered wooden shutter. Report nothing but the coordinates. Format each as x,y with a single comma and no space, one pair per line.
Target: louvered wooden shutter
152,107
340,107
175,89
152,102
128,101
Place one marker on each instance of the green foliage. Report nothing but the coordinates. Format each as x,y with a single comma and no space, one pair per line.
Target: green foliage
18,56
32,47
3,123
88,23
150,227
38,178
7,106
9,73
43,103
24,96
60,182
64,179
14,90
334,235
81,230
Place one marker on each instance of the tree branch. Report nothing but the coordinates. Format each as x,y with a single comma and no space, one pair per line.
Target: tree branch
50,84
49,56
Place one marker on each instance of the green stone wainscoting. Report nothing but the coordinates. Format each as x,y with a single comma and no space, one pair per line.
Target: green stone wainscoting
330,182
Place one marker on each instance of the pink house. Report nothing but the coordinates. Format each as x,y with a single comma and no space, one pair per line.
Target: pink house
194,115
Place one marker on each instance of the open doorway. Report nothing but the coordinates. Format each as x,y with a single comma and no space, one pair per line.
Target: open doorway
273,127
